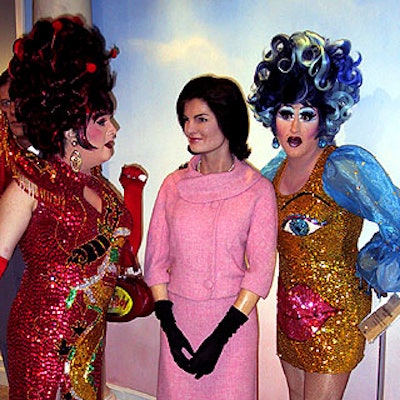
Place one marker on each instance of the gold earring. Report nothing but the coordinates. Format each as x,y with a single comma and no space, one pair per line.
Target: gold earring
75,161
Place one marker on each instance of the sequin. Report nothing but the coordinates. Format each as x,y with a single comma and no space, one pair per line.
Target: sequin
317,274
57,323
302,312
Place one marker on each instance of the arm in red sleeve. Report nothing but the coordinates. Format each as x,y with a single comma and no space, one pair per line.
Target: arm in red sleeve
133,178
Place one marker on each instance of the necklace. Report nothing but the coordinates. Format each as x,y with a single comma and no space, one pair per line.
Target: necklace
230,169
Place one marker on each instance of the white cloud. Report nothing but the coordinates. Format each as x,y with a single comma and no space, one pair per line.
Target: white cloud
184,52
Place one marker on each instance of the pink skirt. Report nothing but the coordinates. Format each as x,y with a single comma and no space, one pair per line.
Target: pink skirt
235,375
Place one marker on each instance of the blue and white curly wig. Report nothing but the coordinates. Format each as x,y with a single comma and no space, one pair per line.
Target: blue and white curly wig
306,68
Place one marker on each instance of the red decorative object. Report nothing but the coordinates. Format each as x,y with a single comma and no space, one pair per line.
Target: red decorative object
57,26
132,297
18,49
91,68
114,52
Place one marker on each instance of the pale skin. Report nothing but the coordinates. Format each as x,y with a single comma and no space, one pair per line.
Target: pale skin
15,204
296,129
206,138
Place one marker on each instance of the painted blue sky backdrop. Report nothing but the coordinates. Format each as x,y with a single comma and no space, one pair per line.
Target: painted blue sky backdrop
165,43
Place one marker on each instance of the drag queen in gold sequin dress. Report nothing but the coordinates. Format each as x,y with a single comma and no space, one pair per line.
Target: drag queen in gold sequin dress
304,90
67,218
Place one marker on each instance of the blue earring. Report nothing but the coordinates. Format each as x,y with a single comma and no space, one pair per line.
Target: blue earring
275,143
322,143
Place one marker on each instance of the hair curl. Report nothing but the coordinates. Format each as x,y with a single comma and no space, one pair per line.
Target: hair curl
4,78
60,79
306,68
226,101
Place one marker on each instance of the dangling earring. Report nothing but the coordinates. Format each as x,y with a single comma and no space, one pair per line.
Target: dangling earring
275,143
75,161
322,142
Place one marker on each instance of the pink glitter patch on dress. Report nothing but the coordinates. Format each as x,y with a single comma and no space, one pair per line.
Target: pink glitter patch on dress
301,312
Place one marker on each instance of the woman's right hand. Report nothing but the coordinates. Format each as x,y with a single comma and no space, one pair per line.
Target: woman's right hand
176,339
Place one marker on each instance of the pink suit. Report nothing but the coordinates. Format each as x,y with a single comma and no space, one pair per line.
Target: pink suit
202,231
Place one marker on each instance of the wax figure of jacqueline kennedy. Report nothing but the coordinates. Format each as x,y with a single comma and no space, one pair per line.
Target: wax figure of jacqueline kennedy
211,251
304,89
68,220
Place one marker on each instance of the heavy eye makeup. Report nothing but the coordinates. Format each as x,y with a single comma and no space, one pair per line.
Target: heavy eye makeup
101,121
286,113
306,114
5,103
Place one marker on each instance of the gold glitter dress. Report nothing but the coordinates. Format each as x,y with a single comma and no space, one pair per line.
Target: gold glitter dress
320,301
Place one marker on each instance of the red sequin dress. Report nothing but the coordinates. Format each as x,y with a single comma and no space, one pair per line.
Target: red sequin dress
56,333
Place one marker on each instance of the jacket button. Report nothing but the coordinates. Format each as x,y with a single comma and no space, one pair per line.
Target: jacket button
208,284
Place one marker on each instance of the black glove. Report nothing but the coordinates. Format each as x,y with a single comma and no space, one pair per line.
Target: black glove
206,357
176,339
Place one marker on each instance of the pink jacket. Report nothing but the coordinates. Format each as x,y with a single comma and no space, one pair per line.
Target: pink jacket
211,235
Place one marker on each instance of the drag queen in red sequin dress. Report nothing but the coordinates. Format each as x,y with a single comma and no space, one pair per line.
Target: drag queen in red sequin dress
68,219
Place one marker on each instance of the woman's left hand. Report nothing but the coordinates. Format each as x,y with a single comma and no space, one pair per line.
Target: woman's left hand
206,357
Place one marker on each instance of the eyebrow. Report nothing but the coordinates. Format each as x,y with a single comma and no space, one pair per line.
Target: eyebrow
308,107
301,104
198,115
305,194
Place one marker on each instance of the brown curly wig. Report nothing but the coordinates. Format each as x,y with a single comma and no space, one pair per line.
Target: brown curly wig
60,79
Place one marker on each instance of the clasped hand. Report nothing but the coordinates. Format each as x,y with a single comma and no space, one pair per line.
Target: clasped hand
206,357
203,361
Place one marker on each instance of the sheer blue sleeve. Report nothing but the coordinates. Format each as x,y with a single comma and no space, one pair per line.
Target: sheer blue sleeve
270,169
357,182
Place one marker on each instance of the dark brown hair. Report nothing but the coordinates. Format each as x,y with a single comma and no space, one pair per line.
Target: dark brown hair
227,102
60,79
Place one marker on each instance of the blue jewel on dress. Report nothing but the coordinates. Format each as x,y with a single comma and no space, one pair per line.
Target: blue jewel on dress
299,227
322,143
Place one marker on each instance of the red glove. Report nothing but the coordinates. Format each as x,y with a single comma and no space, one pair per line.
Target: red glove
3,265
133,178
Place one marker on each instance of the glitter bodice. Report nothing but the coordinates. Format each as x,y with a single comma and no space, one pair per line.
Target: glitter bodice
57,325
314,233
318,292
